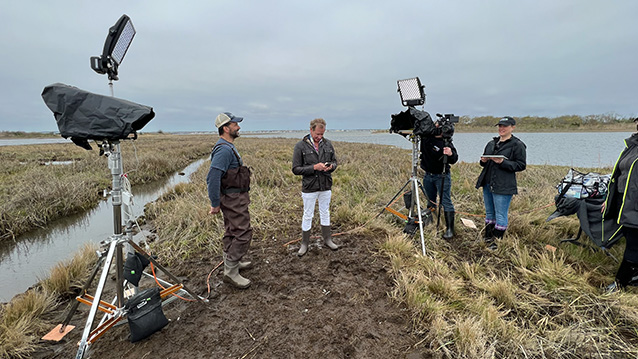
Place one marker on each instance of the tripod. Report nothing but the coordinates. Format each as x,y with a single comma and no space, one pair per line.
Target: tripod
446,171
115,311
414,206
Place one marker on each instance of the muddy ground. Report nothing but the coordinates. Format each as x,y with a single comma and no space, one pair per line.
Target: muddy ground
327,304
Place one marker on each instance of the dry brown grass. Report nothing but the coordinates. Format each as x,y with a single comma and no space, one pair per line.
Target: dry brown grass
33,193
520,301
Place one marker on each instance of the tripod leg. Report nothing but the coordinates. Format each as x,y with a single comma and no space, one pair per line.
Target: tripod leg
87,284
415,182
438,215
160,267
119,275
96,302
393,198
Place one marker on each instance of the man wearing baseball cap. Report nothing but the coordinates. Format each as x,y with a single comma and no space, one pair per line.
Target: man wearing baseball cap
228,184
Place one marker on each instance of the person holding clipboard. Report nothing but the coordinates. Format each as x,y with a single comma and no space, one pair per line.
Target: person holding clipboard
502,158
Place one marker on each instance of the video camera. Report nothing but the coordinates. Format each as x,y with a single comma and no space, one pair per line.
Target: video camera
446,125
422,124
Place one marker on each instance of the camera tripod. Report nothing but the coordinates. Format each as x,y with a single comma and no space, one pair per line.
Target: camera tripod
115,311
446,171
414,203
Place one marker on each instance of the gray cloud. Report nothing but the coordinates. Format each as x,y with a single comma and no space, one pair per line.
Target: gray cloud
281,63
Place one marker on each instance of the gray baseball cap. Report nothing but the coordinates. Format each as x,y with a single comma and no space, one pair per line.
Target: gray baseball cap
226,117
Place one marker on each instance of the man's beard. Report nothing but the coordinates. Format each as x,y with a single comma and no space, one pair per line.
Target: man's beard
234,134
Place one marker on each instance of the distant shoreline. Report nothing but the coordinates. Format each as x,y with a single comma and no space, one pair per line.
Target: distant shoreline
6,135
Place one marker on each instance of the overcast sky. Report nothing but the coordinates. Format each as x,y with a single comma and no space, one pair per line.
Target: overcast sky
280,63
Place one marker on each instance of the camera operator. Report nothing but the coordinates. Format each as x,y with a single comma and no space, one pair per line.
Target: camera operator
437,154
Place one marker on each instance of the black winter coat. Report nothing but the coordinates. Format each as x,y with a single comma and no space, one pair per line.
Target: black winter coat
432,155
305,156
624,209
502,177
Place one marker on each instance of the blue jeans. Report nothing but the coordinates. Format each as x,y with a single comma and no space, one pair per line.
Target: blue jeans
432,187
496,207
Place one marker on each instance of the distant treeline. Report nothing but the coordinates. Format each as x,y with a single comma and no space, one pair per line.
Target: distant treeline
604,122
23,134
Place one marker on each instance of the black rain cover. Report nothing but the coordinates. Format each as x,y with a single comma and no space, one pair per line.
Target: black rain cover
418,121
84,116
591,219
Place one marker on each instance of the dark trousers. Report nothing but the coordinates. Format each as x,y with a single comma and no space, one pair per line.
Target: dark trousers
631,246
238,232
432,187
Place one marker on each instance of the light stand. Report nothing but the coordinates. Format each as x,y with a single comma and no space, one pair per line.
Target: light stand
412,94
115,311
84,116
414,206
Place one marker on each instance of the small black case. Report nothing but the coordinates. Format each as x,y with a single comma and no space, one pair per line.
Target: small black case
145,314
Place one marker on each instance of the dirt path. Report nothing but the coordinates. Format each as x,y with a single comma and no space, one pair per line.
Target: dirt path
324,305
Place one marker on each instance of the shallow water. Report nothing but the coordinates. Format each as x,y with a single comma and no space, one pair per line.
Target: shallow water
31,256
575,149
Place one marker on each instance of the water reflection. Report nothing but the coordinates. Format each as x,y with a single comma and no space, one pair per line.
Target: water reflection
30,257
575,149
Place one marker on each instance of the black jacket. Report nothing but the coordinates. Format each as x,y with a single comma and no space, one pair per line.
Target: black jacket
502,177
305,157
624,209
432,155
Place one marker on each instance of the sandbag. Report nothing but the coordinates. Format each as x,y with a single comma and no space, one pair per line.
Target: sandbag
145,314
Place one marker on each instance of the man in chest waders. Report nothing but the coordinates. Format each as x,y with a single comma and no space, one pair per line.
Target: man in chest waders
228,183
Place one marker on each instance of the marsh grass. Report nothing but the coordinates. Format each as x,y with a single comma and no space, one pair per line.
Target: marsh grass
522,300
69,275
464,301
33,192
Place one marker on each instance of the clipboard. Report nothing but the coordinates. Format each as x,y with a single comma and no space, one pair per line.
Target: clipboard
494,156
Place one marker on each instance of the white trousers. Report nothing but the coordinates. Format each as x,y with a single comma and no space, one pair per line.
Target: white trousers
309,200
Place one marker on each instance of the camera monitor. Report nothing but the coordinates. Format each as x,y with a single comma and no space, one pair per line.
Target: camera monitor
84,116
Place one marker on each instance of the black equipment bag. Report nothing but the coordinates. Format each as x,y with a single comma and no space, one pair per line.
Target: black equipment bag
134,266
145,314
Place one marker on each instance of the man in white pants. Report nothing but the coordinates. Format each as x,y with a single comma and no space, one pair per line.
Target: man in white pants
314,159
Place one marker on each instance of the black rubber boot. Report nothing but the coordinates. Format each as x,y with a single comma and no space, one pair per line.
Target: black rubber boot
489,231
497,234
627,274
327,238
449,223
305,240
